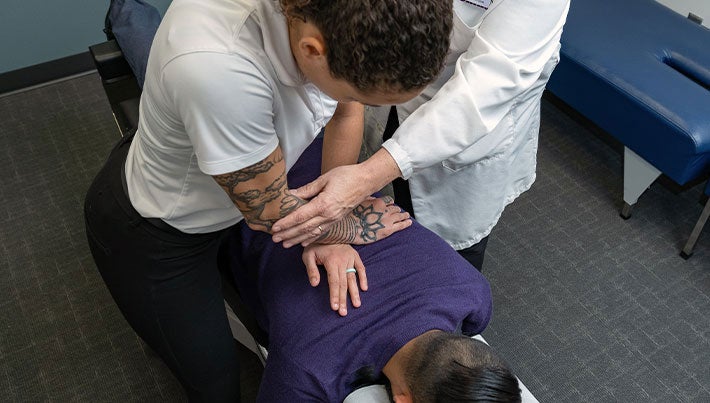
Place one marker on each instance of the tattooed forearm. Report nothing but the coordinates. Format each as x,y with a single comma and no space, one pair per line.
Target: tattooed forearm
253,203
260,197
290,203
360,227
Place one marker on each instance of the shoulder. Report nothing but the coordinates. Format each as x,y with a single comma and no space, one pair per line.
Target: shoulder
208,36
284,380
214,71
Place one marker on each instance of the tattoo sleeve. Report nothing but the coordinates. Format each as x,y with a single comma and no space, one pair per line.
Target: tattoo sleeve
260,191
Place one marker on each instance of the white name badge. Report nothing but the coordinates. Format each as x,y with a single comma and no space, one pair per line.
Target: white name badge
484,4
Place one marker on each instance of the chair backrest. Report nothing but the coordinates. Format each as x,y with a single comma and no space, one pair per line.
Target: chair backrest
133,24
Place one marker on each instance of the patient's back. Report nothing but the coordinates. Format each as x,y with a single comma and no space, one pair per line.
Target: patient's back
417,282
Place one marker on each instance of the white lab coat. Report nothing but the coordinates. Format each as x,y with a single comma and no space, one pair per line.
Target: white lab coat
468,143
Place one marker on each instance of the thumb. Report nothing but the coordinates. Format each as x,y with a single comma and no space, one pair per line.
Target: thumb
309,260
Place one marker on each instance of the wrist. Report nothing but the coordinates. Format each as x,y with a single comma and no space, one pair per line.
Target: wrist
379,170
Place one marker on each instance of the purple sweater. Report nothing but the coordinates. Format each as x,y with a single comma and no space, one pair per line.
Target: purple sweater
417,283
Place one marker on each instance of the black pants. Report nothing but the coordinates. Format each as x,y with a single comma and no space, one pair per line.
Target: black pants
166,284
403,197
475,254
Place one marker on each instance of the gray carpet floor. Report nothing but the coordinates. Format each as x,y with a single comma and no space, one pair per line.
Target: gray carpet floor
588,307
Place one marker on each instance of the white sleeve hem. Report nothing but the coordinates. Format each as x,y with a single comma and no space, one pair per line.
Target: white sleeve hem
400,157
239,162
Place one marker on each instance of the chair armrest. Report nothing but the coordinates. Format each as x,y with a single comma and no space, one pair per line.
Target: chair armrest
119,84
109,61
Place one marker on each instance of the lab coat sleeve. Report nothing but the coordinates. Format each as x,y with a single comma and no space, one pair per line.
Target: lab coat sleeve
506,56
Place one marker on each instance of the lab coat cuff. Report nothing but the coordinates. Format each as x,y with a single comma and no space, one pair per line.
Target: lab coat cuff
400,157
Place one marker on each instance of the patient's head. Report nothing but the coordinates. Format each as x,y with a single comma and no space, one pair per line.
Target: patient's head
445,367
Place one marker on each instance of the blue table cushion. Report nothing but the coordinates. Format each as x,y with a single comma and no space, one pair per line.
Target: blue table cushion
642,73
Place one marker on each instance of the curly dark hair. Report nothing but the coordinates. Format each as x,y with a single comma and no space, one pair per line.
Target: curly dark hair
455,368
380,44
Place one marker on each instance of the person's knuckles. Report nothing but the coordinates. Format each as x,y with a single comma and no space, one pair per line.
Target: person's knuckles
333,282
298,217
331,214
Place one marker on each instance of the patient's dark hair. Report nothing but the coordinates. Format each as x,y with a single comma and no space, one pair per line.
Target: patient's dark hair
396,45
454,368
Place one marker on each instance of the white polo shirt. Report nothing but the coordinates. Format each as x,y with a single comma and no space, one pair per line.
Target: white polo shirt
222,90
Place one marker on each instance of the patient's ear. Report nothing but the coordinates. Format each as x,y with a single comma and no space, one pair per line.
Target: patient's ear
403,398
401,394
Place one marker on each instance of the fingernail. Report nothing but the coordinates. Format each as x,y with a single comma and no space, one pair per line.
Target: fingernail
277,239
313,281
276,229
